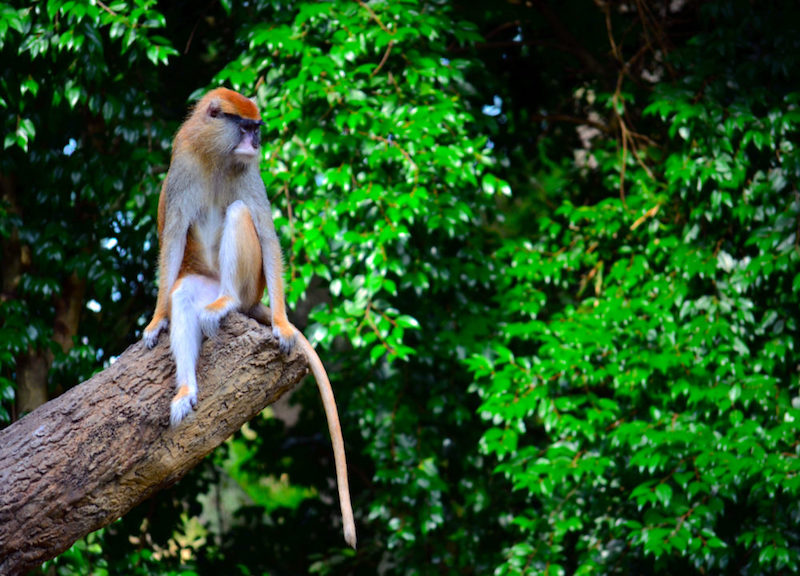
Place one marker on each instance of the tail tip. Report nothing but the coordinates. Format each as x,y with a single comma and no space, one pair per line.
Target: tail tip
350,535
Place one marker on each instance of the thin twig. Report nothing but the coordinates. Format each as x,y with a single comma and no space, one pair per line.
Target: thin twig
106,8
191,37
374,16
384,59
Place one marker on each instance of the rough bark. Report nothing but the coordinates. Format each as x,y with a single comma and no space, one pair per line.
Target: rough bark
84,459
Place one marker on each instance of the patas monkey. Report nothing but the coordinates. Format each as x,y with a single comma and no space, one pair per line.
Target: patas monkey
219,250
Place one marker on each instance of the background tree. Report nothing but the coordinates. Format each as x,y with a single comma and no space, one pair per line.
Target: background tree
642,387
81,154
551,261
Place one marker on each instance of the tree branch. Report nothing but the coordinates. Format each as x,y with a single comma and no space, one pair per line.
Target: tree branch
82,460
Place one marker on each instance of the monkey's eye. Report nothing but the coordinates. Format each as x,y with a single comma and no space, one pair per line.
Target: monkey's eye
245,124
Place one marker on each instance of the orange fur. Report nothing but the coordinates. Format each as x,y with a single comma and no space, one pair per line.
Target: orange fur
219,304
250,265
182,392
234,103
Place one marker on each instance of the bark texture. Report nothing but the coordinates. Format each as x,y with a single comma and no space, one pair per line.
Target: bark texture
84,459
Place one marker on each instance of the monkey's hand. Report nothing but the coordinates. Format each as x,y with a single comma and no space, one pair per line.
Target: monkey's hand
286,334
153,330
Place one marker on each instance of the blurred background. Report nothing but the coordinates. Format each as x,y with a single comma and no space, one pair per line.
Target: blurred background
547,249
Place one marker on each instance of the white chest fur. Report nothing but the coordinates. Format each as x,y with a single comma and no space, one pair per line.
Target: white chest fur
208,231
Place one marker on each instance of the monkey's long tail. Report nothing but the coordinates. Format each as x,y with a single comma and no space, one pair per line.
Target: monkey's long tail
335,429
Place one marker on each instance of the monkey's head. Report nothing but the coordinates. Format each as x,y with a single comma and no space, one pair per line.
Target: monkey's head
227,128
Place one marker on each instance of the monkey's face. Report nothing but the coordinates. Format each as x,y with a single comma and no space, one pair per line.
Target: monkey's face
233,136
248,133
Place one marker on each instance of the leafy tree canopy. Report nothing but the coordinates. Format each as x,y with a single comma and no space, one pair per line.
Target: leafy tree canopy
548,249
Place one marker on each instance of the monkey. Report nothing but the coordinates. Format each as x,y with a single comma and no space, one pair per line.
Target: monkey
218,250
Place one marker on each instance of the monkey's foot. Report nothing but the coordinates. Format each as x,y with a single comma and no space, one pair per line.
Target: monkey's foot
286,335
152,332
212,315
182,404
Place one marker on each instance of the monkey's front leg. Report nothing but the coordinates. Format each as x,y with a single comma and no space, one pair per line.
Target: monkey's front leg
283,330
173,244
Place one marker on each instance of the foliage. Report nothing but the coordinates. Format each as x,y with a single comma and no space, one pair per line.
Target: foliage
80,148
595,373
643,388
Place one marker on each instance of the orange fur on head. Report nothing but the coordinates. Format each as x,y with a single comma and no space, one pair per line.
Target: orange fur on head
233,103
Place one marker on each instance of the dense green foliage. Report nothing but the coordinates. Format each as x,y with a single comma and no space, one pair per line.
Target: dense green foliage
641,389
80,148
551,261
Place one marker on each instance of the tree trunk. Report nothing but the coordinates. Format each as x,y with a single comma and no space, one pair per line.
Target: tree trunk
33,367
84,459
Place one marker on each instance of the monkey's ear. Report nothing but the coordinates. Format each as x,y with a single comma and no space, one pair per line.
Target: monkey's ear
214,108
